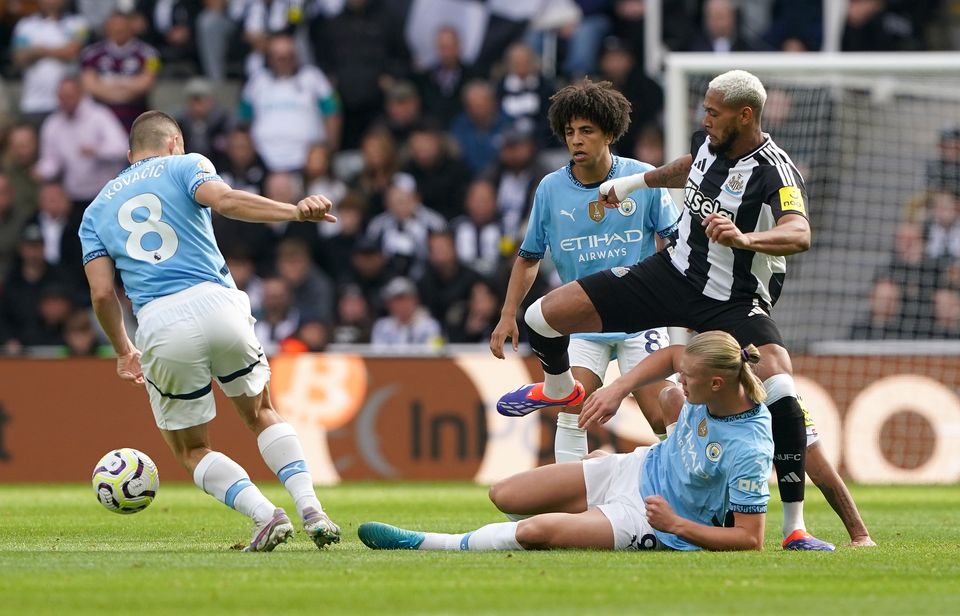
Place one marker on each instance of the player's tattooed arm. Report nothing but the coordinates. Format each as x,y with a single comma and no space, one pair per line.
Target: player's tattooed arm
671,175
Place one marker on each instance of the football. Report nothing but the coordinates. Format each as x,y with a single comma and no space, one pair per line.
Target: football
125,480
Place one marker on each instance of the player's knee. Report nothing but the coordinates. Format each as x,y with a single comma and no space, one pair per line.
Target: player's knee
671,401
537,321
534,533
503,496
774,360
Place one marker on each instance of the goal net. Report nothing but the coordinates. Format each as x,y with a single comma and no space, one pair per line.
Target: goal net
877,139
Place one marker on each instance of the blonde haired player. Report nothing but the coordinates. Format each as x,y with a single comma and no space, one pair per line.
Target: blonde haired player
673,495
153,223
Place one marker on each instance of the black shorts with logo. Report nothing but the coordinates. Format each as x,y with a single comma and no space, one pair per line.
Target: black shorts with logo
653,293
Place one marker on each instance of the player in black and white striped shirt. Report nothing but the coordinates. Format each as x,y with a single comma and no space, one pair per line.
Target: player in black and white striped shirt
744,211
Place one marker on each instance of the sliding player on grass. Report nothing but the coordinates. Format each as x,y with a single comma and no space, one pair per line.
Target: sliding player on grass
705,486
152,222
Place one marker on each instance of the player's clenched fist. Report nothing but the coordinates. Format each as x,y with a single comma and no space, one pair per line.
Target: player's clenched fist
315,208
724,231
659,513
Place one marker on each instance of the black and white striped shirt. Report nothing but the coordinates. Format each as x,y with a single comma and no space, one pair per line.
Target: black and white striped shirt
755,190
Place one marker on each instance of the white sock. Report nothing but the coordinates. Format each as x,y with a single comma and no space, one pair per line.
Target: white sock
226,481
558,386
570,443
499,536
792,518
282,452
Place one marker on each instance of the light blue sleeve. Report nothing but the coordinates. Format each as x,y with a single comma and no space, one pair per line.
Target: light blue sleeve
193,170
747,480
90,241
534,244
664,212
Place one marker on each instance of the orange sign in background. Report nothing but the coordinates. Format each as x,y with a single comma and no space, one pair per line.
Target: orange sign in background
883,419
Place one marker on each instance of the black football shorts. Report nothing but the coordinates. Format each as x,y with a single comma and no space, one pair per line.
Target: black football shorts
653,293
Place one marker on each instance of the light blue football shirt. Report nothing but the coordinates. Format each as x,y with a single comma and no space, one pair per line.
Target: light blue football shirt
711,465
147,221
585,237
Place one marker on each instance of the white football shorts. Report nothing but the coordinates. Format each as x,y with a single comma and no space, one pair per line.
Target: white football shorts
191,337
595,356
613,487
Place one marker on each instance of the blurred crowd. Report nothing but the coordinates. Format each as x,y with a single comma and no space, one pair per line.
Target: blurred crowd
430,159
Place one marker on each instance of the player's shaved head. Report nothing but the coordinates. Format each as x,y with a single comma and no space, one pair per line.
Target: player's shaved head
151,131
740,89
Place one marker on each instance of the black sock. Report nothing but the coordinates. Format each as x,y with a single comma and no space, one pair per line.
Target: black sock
789,447
552,352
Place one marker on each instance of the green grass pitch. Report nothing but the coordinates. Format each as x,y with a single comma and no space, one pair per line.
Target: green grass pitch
61,553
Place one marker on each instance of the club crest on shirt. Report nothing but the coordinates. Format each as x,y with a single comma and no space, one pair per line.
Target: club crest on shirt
714,451
627,207
596,211
702,428
734,185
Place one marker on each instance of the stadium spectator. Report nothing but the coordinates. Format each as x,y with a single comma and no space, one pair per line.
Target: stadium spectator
244,272
440,173
18,162
871,26
241,167
19,310
515,176
83,144
204,122
941,232
796,25
402,230
440,84
215,29
45,45
379,153
264,19
318,179
370,271
446,282
883,322
944,170
121,70
53,308
408,324
524,93
278,319
289,106
402,110
80,336
59,222
12,221
347,231
172,23
617,65
946,314
476,129
312,291
354,321
649,145
721,32
475,324
479,234
364,52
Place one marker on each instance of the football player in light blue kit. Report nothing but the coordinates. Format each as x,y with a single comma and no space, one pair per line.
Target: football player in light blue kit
584,237
153,224
705,486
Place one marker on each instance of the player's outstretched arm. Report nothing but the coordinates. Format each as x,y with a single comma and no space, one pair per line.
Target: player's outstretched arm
248,207
671,175
604,403
106,305
745,534
790,236
522,276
